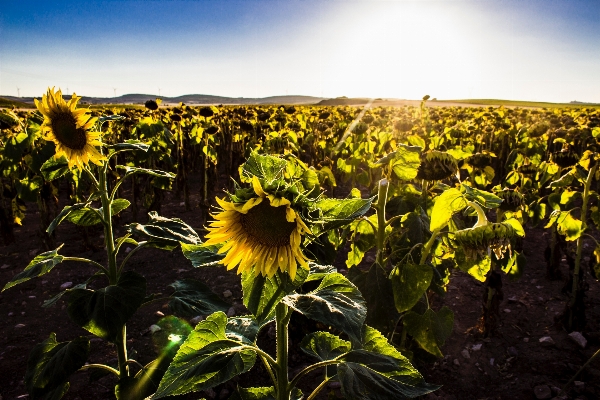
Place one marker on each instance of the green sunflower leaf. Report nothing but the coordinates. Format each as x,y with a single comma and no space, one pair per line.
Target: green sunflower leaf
40,265
336,302
431,329
324,346
405,161
168,230
202,255
409,282
335,213
264,167
263,393
64,214
262,294
193,298
207,358
361,383
87,216
53,169
446,204
50,364
129,145
104,312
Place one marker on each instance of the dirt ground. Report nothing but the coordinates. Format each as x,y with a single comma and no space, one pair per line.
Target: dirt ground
507,366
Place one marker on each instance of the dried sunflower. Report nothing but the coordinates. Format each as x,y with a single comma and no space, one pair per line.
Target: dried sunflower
436,165
496,236
69,128
263,232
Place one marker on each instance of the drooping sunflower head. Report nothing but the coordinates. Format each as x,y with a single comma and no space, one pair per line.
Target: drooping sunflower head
436,165
511,199
261,233
496,236
69,128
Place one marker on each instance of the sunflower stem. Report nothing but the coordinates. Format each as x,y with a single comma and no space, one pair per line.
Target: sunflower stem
282,320
113,273
576,270
381,222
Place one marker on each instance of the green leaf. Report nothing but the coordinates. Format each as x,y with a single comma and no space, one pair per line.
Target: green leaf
242,329
40,265
262,294
87,216
446,204
104,312
336,302
193,298
169,230
477,268
266,168
317,272
516,225
28,189
377,292
62,215
263,393
153,172
145,382
339,212
406,162
129,145
202,255
361,383
514,266
50,365
53,169
375,342
567,225
431,329
324,346
487,199
409,282
206,359
564,180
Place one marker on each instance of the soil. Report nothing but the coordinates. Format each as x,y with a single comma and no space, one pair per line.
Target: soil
506,366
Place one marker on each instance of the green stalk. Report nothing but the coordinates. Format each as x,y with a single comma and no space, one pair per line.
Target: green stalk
576,270
381,222
282,320
113,275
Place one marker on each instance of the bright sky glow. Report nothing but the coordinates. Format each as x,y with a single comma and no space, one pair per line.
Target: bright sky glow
544,50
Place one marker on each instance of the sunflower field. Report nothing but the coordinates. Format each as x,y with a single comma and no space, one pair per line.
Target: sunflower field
346,230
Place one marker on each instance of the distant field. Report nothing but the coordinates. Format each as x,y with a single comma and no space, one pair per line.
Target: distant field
517,103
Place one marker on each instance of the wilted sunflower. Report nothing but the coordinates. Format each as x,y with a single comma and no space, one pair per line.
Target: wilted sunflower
484,234
69,128
264,232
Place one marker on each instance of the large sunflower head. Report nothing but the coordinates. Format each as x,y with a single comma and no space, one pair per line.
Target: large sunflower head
69,128
263,232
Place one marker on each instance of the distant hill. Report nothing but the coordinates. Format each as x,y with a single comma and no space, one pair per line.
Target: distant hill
6,102
189,99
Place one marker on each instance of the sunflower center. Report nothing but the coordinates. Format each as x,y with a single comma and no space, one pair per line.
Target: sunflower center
67,133
268,225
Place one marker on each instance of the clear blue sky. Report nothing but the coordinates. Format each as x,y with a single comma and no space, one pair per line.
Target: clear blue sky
511,49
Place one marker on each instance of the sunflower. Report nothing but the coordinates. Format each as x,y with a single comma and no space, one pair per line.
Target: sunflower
264,232
485,235
69,128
